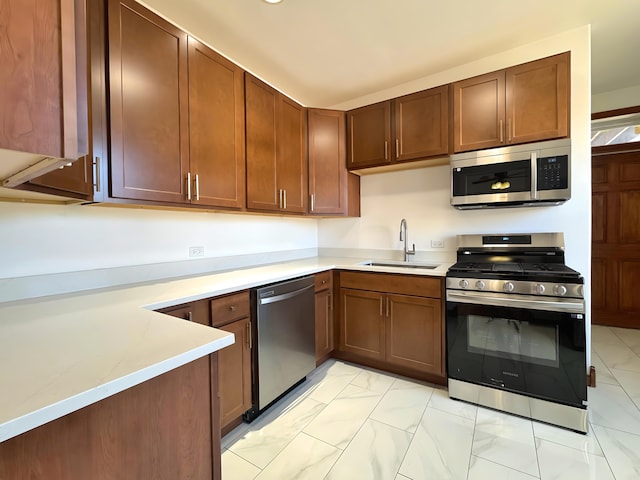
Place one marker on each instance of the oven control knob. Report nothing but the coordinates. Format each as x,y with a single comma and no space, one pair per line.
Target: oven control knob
559,289
508,287
480,285
463,283
539,288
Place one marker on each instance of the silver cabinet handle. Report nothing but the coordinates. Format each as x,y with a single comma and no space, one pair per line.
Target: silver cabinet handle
501,132
249,339
280,199
285,199
188,185
96,167
397,148
386,149
388,305
189,317
381,300
197,187
312,202
509,133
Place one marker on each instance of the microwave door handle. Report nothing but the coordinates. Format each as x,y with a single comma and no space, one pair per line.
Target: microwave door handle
534,175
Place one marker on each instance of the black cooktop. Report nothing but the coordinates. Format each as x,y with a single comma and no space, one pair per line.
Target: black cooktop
512,269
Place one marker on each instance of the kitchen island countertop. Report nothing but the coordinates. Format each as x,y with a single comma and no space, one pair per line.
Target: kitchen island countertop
64,352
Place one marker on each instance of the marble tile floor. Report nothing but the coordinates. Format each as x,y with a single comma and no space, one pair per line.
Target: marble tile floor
350,422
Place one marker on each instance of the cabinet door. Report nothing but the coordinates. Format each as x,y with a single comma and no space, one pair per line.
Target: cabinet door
328,186
73,180
369,135
362,329
197,312
149,107
234,373
261,107
291,154
414,333
421,122
216,128
537,100
478,112
43,85
324,324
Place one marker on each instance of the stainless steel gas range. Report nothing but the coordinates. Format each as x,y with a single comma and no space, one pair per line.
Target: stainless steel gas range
515,324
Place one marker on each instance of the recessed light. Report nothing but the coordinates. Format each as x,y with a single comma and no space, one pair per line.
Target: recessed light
273,1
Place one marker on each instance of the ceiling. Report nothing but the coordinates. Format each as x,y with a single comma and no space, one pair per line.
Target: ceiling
326,52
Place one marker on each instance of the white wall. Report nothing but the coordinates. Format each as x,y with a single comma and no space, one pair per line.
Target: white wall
625,97
43,239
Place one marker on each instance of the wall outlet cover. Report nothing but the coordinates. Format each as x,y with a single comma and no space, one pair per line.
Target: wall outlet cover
196,251
437,243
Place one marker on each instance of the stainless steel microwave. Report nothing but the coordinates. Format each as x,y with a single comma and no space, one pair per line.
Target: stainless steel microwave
515,176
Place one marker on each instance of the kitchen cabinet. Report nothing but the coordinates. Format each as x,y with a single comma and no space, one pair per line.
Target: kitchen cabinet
162,428
71,181
197,312
276,139
393,322
408,128
332,189
148,105
520,104
323,315
216,128
43,86
231,313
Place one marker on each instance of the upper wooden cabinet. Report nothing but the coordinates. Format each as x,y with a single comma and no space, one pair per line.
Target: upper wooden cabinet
276,138
177,114
43,85
216,128
407,128
148,92
525,103
332,189
73,181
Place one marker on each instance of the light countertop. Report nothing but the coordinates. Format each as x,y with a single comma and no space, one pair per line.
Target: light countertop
61,353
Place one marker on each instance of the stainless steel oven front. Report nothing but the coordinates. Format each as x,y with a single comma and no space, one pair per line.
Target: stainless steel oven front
524,354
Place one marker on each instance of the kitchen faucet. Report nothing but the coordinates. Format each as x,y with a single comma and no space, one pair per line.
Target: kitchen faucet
404,238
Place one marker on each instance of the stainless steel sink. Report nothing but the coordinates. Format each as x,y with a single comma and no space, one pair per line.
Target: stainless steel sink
400,264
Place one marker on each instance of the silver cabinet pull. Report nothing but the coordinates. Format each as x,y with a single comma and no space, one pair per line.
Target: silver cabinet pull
509,133
280,200
386,150
249,340
189,317
312,202
285,199
188,185
96,167
388,306
501,132
381,300
197,187
397,148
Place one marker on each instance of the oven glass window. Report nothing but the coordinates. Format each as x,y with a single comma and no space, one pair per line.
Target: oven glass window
513,339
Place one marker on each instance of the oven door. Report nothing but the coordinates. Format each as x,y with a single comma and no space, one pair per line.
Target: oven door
518,343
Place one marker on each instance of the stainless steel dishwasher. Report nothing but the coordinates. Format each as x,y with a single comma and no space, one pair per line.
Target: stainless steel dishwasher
284,330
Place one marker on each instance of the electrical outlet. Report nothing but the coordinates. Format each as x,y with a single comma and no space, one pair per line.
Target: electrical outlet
196,251
437,244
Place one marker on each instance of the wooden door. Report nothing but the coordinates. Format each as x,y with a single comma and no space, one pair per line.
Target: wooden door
414,333
369,136
75,181
216,128
478,112
362,328
537,100
327,162
615,270
261,107
43,85
149,107
291,154
421,124
234,373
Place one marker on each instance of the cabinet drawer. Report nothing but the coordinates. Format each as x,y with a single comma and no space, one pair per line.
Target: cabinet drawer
230,307
418,285
322,280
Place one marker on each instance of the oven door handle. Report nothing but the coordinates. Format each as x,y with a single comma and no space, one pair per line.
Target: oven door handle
564,305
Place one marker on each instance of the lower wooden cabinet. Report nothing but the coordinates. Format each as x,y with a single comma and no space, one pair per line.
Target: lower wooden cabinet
392,321
324,316
231,313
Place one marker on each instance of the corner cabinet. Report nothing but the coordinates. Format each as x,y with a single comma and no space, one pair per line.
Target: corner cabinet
394,322
408,128
276,153
524,103
332,189
43,86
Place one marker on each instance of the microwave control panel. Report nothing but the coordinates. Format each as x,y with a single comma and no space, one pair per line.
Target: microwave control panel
553,172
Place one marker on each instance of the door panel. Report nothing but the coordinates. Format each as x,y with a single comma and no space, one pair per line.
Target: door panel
362,323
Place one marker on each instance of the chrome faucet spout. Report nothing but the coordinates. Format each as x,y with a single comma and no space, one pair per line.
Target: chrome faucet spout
404,238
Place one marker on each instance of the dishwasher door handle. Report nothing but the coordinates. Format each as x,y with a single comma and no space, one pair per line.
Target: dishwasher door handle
284,296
